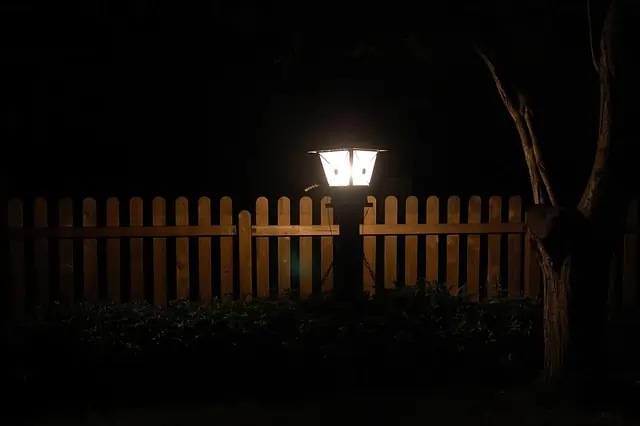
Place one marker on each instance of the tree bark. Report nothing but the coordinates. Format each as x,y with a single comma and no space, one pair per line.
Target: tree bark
557,332
575,313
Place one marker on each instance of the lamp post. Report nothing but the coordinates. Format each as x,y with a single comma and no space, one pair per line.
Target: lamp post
348,172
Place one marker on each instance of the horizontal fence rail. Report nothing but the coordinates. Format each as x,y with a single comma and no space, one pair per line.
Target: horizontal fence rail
127,232
382,229
159,250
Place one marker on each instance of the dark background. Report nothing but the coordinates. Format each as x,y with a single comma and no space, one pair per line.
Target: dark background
107,98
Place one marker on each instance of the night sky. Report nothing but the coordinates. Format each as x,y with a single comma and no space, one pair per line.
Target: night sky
225,98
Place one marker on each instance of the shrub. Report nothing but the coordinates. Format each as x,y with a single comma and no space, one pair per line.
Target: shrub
413,334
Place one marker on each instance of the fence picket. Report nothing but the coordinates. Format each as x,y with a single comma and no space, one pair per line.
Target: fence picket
306,248
411,243
159,212
244,253
493,259
453,245
113,252
226,248
433,218
284,246
65,252
514,249
473,250
90,251
41,253
326,244
369,247
182,251
262,248
390,243
136,254
204,253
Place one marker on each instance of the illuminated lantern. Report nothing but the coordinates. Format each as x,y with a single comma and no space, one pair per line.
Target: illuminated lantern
348,166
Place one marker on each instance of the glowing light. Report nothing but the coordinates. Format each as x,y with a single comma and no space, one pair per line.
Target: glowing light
349,166
362,166
337,167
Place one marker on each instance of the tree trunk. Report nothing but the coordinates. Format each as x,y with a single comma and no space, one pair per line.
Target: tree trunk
575,313
575,246
557,331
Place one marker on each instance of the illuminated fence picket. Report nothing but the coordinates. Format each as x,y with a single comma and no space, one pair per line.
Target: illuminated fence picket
88,252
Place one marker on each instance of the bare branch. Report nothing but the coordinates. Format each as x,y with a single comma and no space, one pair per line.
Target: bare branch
540,184
603,165
593,53
537,153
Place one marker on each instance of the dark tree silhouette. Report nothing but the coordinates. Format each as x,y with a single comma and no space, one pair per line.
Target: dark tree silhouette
576,243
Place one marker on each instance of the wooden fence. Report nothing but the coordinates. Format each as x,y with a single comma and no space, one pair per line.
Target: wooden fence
122,251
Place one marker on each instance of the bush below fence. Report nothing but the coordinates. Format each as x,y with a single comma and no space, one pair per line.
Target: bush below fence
417,336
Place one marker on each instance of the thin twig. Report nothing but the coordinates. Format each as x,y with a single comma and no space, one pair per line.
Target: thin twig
593,53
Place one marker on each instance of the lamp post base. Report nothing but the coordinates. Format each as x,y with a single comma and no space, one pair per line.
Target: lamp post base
348,208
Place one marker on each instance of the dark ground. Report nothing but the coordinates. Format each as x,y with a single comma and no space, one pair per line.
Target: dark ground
284,404
455,405
444,405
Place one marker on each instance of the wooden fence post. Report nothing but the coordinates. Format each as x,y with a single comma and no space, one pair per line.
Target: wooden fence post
369,247
411,243
41,252
262,249
453,246
284,246
113,252
473,250
90,251
226,248
65,251
433,241
514,250
306,248
205,292
136,249
493,260
390,243
326,244
159,254
244,253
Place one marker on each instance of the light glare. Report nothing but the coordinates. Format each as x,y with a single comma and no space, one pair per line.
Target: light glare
337,167
362,169
348,166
